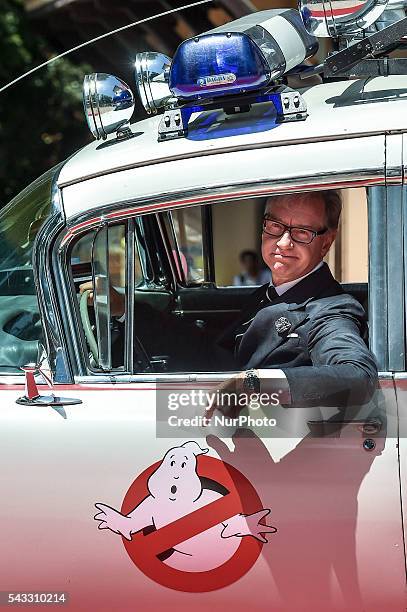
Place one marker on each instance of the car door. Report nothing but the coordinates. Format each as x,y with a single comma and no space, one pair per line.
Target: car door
320,486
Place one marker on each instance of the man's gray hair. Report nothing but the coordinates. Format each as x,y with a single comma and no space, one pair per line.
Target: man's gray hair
333,207
331,197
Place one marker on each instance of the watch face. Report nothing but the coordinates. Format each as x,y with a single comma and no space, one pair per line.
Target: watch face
251,382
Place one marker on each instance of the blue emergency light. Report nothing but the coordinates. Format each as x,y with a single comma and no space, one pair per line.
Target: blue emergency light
216,65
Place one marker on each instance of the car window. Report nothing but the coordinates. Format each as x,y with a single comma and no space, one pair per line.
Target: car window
176,328
20,222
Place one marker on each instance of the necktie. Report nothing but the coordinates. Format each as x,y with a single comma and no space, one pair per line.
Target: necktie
269,297
271,293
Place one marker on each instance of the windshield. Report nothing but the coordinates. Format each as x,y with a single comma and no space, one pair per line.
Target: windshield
20,221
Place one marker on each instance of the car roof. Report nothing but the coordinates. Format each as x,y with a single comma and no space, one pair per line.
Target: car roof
336,110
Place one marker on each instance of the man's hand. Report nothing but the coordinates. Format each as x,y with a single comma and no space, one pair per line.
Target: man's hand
87,287
117,303
234,386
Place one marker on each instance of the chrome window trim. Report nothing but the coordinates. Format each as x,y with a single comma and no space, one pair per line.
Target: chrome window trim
187,377
181,275
396,201
221,310
129,296
143,263
386,276
377,282
47,302
70,309
170,257
222,193
155,378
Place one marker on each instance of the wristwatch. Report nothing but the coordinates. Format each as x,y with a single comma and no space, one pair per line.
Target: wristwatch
251,382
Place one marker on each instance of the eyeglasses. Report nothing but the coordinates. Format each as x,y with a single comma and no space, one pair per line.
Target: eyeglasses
298,234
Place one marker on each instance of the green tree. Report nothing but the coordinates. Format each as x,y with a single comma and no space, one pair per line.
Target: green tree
41,117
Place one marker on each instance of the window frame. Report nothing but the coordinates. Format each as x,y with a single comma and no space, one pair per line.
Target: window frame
234,192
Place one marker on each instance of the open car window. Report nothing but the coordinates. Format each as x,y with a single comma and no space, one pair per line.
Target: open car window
176,306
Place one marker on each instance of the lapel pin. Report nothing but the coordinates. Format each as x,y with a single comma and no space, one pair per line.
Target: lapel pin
282,325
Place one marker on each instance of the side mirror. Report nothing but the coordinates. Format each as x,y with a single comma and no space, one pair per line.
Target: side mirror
32,395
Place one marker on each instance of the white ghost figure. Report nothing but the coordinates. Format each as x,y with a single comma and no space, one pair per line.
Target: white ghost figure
175,490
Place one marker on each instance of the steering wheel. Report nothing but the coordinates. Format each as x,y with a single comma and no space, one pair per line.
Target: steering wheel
87,328
146,362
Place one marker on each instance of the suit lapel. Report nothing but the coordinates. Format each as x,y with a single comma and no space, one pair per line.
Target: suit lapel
257,300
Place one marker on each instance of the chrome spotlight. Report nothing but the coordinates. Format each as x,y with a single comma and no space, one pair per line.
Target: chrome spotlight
108,103
152,72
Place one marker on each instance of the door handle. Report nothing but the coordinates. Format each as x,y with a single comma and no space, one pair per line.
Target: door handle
367,427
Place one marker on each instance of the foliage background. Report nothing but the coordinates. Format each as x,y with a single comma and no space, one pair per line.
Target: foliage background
41,117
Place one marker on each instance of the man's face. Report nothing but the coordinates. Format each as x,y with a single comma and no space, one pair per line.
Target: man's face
289,260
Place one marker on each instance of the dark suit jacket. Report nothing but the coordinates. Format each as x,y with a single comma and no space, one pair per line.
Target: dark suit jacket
322,354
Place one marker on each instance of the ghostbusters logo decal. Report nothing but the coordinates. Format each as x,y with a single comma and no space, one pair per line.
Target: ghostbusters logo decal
190,522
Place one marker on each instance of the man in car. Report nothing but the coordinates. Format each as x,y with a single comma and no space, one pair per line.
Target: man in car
303,323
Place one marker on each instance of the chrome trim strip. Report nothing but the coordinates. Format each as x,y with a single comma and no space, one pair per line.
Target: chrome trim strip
104,379
221,193
227,310
181,275
129,312
394,236
155,378
70,308
395,278
377,224
169,255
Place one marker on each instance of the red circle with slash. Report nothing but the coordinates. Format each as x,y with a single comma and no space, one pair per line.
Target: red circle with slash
144,549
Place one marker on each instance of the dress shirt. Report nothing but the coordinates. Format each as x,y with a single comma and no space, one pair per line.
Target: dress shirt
286,286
